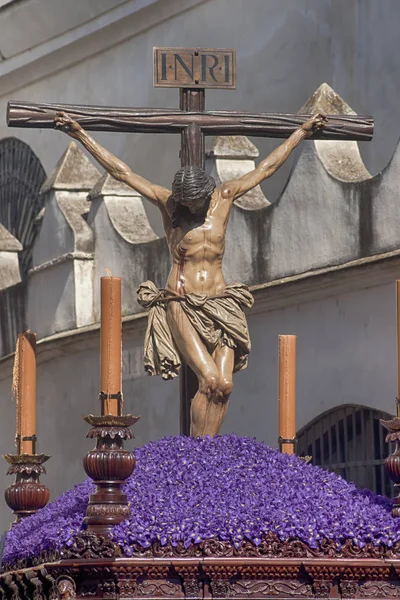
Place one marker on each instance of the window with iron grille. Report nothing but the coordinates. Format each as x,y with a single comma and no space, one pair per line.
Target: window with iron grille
21,204
350,441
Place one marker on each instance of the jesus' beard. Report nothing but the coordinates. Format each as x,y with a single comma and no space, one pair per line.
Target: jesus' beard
182,214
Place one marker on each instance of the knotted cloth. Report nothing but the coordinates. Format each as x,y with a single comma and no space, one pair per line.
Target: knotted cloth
215,318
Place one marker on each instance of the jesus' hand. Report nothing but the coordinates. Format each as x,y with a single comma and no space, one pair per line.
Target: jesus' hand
314,124
64,123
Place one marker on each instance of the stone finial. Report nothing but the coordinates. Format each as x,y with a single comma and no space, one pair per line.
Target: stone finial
229,157
327,101
341,159
74,171
125,210
231,147
8,243
9,261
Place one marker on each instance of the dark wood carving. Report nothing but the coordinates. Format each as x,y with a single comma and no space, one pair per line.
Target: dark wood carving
65,588
270,547
270,589
192,153
194,68
220,588
26,495
379,589
193,587
322,588
256,578
143,120
109,465
89,545
392,462
348,588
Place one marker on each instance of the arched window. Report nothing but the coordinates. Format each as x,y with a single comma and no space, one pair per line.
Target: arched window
350,441
21,177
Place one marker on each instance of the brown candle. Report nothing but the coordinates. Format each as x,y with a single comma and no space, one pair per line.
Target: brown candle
287,391
110,353
24,391
398,343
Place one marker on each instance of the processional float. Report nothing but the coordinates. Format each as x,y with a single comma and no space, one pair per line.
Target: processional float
278,563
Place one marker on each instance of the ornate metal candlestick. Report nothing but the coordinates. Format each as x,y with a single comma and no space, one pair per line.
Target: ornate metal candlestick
27,494
392,462
109,465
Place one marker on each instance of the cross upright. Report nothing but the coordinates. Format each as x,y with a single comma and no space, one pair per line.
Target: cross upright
191,70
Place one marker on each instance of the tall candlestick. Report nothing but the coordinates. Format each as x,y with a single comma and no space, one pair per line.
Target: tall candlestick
398,344
110,354
24,391
287,392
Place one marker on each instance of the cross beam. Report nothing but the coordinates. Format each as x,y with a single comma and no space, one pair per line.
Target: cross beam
193,123
165,120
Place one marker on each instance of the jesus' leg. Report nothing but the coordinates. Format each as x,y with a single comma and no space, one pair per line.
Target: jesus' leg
206,410
210,414
224,358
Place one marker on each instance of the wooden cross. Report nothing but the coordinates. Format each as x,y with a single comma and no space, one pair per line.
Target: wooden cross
192,70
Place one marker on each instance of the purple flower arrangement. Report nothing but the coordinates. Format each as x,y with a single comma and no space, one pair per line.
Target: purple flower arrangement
230,488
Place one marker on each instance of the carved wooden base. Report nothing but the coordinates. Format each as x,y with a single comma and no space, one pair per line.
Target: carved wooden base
392,462
109,465
94,568
26,495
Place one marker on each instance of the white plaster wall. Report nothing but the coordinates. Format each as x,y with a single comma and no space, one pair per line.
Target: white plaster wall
285,49
132,257
46,312
56,237
346,354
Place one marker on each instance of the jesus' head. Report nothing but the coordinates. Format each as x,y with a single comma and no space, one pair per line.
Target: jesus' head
192,189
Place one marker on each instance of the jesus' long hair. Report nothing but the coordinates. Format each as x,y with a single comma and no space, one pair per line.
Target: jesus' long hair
190,183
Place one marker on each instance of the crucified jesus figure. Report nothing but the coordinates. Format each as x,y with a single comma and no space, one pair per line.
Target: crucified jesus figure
197,317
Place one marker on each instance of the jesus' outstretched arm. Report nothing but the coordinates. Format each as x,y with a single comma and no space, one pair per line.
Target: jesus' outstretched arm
267,167
116,168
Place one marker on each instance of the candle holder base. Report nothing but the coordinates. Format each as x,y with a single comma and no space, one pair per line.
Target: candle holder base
26,495
109,465
392,462
292,441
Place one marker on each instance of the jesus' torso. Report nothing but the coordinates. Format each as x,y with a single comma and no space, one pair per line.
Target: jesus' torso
197,251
